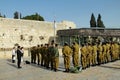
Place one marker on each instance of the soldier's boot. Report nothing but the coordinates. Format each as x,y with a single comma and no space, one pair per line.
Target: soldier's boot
55,69
68,70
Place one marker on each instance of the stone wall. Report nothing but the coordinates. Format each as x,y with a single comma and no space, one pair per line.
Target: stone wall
28,32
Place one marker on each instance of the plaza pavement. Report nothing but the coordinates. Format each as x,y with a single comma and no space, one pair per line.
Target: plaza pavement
9,71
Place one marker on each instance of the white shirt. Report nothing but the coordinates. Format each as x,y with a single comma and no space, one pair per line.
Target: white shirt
13,52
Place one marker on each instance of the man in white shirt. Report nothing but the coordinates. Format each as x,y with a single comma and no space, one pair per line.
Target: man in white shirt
13,55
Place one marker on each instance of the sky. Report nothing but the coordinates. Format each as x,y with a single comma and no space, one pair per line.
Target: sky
77,11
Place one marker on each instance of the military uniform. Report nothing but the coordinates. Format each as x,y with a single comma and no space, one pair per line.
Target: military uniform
83,57
42,55
34,55
99,54
38,54
75,55
56,58
104,53
108,52
47,56
113,52
89,55
116,51
94,56
66,54
51,52
33,58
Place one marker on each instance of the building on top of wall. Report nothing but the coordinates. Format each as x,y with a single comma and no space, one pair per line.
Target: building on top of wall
88,35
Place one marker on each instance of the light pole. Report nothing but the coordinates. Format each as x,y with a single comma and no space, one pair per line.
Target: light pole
54,31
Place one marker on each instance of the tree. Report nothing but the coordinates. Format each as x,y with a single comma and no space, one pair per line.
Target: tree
4,16
92,21
100,22
16,15
0,15
20,15
35,16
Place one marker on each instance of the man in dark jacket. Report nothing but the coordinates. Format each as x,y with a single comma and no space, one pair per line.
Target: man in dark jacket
19,54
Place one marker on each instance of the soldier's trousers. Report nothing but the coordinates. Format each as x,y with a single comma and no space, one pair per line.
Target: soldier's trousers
89,60
42,59
113,55
56,63
100,58
38,58
47,61
83,61
51,61
94,59
104,57
108,57
67,62
31,57
76,60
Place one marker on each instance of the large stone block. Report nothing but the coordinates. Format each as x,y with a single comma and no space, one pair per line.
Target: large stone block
28,32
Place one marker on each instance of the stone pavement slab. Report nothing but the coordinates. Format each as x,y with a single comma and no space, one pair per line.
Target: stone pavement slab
9,71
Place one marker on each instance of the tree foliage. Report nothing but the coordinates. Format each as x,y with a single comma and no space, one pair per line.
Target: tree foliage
100,22
2,16
92,21
16,15
35,16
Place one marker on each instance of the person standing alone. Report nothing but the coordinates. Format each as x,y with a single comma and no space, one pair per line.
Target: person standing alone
19,54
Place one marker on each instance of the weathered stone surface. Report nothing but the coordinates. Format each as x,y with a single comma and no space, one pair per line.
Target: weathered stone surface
11,31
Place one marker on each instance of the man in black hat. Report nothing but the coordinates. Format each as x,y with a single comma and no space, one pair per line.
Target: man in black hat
19,54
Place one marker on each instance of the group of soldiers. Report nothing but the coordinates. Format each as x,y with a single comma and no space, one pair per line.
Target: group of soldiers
90,54
45,55
99,53
50,55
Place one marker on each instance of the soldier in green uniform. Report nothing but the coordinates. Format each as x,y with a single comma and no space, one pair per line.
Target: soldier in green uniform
51,52
42,54
56,58
32,52
66,55
47,56
75,54
38,54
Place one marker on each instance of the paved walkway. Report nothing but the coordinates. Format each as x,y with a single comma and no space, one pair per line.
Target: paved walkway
9,71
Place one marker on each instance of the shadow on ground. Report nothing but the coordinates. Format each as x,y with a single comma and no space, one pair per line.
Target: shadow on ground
111,67
13,65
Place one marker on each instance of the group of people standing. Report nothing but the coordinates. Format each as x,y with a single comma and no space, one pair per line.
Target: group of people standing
88,54
50,55
19,52
99,53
